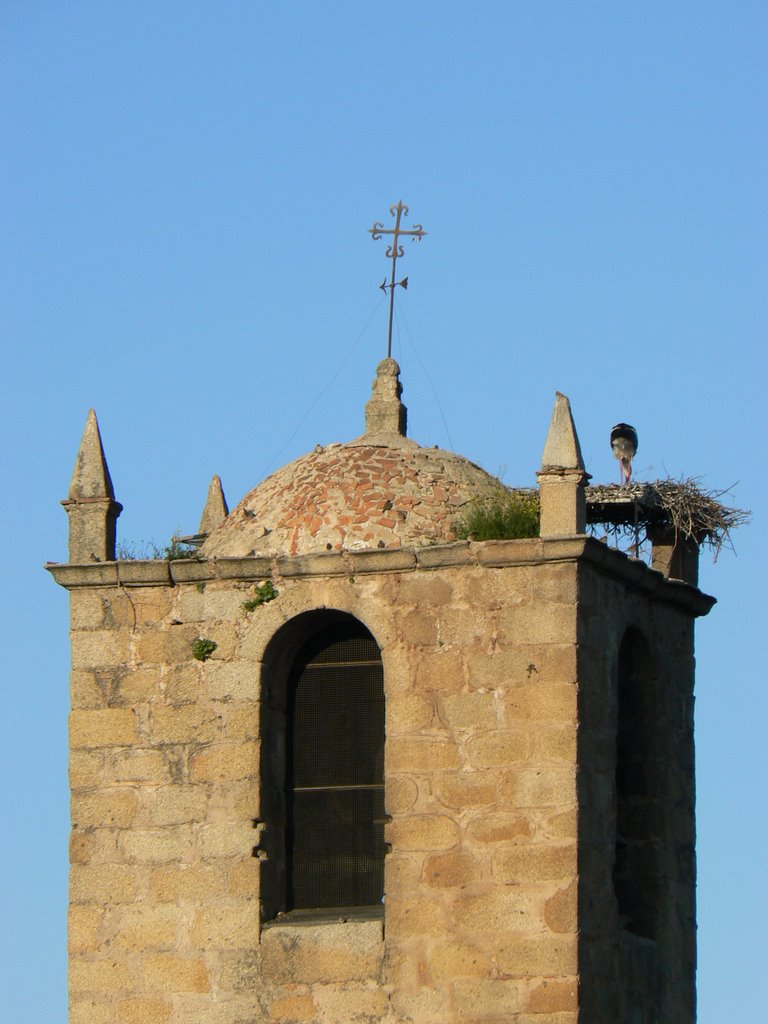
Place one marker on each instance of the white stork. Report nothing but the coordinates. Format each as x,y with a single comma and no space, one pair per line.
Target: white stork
624,445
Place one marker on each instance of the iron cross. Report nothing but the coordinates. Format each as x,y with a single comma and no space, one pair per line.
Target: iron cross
393,252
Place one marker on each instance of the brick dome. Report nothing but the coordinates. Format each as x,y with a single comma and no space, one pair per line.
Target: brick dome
381,490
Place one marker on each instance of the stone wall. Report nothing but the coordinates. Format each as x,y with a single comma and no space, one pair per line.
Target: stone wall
627,977
499,666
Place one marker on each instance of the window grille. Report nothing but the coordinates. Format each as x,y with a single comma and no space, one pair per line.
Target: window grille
335,791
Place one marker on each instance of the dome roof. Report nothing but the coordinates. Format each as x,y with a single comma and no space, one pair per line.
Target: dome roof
381,490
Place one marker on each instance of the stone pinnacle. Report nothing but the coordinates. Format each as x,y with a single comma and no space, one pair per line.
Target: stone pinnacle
91,478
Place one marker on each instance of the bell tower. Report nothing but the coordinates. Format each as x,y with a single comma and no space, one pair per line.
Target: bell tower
341,766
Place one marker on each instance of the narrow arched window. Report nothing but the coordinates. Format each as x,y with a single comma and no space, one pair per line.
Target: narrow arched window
335,771
638,810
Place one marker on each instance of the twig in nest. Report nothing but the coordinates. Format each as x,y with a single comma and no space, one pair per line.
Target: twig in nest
681,505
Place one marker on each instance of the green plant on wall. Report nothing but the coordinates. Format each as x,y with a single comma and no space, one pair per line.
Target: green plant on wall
264,592
202,649
129,551
138,550
500,515
176,550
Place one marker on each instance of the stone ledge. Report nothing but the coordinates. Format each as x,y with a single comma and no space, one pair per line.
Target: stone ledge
440,555
491,554
249,567
367,916
191,570
328,563
645,580
381,561
144,572
111,574
500,553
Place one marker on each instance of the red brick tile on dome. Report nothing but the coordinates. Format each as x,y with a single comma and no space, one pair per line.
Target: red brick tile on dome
380,490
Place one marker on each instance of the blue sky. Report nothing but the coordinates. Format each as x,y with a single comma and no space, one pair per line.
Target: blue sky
185,196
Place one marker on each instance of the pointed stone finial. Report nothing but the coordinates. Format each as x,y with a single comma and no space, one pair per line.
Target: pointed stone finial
91,504
562,449
216,508
384,412
562,477
91,478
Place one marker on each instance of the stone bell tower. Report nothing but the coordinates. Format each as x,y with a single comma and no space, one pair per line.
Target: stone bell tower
342,768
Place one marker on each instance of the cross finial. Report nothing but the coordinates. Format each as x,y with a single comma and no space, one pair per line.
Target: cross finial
393,252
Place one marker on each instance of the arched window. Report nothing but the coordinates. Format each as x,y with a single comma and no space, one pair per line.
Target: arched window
334,770
638,804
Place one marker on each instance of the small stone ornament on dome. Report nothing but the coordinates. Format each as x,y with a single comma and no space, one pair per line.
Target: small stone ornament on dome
384,412
394,251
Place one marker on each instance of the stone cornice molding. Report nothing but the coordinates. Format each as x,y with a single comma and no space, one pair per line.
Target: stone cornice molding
492,554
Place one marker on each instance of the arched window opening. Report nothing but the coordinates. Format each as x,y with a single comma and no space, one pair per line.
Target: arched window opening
638,809
334,793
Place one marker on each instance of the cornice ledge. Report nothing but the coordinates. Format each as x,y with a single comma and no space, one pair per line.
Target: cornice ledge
155,573
490,554
384,560
532,550
245,567
440,556
642,578
321,563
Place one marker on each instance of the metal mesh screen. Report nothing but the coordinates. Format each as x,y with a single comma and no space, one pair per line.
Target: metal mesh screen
336,793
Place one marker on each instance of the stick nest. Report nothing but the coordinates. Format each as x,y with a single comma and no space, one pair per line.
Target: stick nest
683,506
628,512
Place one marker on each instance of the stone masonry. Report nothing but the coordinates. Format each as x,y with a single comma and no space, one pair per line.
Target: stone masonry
500,661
